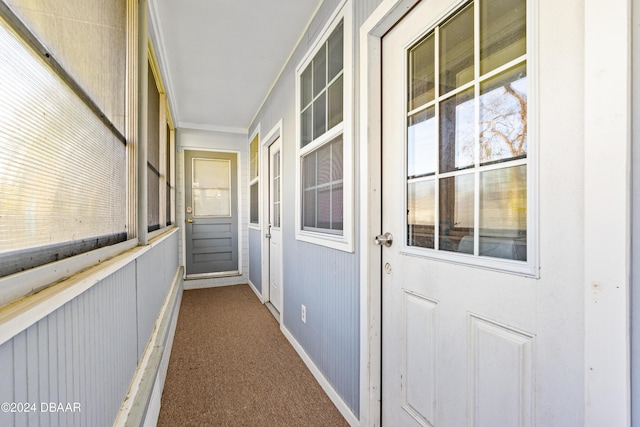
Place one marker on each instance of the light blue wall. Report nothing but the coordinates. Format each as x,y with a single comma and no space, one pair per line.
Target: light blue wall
326,281
255,264
88,350
635,237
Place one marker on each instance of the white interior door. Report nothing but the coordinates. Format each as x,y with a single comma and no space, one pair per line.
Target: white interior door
471,335
275,227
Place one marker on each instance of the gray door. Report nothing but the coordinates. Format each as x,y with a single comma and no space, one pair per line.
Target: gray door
211,199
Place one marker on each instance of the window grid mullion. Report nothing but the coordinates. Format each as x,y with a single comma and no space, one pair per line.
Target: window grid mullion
476,115
436,225
330,184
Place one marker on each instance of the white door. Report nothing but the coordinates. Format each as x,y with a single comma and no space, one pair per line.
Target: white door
471,335
275,215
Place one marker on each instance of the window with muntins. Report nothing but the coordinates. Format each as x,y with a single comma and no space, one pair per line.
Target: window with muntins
254,214
466,140
321,136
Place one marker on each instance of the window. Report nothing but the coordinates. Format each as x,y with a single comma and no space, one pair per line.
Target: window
63,166
160,147
324,151
254,214
467,133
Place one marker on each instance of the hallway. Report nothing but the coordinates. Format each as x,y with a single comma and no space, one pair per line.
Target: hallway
231,366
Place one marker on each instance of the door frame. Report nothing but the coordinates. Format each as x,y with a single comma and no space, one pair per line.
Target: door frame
239,212
606,310
265,185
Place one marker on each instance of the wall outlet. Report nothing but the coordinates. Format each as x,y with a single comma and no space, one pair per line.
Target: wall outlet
303,314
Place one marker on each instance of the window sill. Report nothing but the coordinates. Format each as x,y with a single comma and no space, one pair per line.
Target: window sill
332,241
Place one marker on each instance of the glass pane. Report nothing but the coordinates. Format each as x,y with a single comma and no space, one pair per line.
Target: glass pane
276,215
503,116
335,103
337,207
209,173
211,202
309,170
456,51
306,82
309,209
253,156
324,164
324,207
422,73
503,35
335,52
254,203
336,159
320,71
320,115
503,213
306,126
421,144
421,205
457,131
456,213
211,187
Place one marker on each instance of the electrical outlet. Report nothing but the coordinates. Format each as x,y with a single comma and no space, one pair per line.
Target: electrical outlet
303,314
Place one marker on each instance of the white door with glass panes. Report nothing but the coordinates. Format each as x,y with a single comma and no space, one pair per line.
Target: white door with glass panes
275,225
471,334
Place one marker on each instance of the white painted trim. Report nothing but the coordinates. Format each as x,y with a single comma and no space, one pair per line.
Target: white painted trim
156,34
324,383
345,241
24,283
379,22
255,291
213,128
20,315
157,343
607,210
213,282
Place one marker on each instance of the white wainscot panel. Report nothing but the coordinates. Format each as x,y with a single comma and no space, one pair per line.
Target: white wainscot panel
419,369
500,375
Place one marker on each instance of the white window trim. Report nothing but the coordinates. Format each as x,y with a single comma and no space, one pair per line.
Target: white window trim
256,180
345,241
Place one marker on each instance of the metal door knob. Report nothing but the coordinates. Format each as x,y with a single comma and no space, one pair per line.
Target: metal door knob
189,220
385,239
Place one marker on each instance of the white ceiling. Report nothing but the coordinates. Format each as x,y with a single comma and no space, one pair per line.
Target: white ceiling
220,58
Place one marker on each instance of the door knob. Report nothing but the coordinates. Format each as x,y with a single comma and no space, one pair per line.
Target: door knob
385,239
189,220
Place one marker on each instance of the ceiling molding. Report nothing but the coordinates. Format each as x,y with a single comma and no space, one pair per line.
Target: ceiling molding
157,40
213,128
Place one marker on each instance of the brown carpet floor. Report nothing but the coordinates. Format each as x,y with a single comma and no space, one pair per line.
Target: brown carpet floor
231,366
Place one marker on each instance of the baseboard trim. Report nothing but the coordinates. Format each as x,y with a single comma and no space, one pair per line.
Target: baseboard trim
142,403
255,290
324,383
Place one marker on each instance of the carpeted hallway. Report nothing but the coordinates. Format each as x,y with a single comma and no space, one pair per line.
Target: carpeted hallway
231,366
